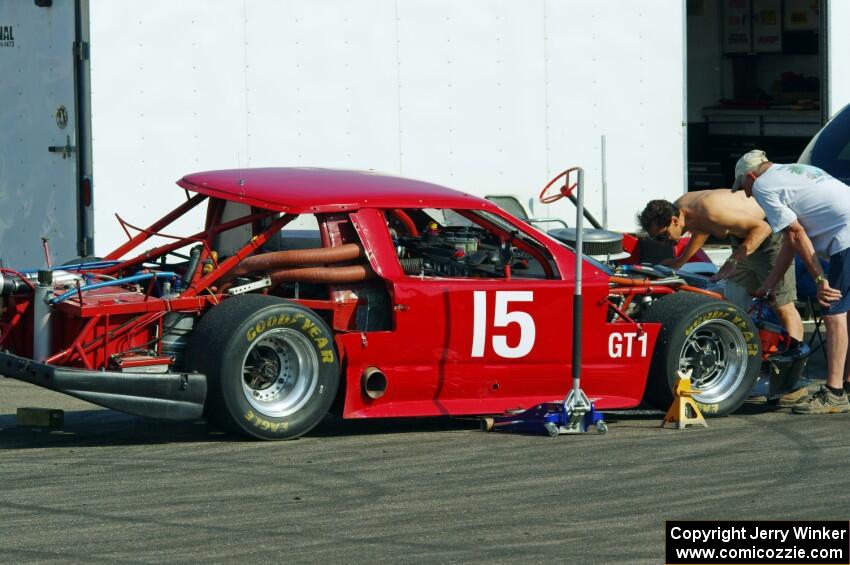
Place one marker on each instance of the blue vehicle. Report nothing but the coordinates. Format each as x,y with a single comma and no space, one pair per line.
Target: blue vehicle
829,149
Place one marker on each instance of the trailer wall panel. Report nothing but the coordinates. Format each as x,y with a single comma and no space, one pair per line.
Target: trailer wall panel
488,96
838,15
168,98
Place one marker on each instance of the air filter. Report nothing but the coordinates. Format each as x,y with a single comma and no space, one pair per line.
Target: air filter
596,242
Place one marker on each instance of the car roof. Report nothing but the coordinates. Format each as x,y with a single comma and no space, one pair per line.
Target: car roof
308,190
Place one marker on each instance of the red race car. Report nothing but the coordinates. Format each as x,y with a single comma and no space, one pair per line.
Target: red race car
312,290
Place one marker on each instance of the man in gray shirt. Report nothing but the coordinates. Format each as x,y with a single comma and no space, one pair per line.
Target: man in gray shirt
812,210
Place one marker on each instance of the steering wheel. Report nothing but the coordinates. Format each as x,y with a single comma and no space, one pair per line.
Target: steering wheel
564,192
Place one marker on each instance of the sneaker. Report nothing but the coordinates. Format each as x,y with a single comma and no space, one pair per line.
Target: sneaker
846,387
794,397
823,402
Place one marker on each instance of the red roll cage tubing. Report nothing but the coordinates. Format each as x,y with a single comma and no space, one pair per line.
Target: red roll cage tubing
220,270
154,228
405,219
507,236
205,237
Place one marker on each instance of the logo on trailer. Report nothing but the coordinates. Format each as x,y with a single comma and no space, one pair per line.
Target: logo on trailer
7,36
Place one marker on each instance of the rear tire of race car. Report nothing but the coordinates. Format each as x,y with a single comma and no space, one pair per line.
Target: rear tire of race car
272,367
714,338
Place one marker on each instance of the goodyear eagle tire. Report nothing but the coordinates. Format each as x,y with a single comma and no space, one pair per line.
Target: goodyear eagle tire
714,338
272,366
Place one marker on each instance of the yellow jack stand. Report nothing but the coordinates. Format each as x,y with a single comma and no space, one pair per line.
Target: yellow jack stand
683,405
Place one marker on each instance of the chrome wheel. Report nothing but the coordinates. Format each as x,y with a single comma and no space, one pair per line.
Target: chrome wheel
280,372
717,353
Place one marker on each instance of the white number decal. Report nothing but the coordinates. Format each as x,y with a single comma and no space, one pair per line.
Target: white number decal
622,344
502,318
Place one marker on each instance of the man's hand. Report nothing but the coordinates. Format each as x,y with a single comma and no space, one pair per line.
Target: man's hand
765,293
727,270
827,294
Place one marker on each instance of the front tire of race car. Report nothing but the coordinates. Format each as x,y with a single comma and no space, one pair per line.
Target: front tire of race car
272,366
715,339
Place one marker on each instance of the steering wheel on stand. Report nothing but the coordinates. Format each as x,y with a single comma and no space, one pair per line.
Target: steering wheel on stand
576,404
566,191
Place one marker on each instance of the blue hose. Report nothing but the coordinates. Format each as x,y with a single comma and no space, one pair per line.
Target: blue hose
125,280
80,266
72,267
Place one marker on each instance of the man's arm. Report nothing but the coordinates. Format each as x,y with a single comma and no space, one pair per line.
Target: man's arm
696,242
759,231
796,240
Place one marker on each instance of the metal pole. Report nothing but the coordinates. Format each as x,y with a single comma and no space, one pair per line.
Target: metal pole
685,118
42,336
604,189
577,303
85,176
825,55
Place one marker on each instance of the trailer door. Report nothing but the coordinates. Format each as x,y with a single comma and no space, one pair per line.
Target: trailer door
38,147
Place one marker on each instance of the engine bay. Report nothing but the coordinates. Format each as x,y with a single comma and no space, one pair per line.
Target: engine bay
461,251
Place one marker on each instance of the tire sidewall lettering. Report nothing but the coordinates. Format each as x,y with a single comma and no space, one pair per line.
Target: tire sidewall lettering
708,409
265,425
323,341
712,315
732,317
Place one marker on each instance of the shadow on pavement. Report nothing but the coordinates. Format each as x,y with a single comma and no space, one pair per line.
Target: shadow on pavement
88,428
334,427
750,409
85,428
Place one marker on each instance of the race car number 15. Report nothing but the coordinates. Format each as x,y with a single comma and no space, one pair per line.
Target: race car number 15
502,318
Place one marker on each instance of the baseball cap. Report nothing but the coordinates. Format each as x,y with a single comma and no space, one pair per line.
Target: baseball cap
747,163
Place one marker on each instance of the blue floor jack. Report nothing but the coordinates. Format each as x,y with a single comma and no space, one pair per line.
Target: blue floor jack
576,414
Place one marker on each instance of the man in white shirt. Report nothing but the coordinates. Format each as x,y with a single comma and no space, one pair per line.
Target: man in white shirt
812,210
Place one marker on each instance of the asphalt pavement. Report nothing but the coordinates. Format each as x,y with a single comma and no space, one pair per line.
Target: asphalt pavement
108,487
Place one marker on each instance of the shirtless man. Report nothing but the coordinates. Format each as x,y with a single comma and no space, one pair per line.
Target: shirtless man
722,213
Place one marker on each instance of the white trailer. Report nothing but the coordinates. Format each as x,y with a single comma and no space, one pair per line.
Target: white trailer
106,105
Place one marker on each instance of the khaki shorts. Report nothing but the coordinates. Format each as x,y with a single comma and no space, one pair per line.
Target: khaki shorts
752,271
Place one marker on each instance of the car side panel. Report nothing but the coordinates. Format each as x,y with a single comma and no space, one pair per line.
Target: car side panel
435,374
448,355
